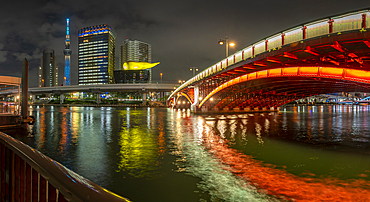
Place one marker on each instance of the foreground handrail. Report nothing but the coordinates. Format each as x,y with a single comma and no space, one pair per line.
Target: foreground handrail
26,174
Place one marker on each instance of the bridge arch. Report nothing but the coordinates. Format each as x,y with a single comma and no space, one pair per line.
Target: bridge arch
340,44
174,101
288,84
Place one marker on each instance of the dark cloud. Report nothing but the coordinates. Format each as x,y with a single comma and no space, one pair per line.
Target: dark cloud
183,34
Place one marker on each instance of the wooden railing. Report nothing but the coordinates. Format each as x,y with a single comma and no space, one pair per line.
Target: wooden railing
28,175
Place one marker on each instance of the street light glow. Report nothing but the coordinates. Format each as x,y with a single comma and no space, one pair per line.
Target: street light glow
227,44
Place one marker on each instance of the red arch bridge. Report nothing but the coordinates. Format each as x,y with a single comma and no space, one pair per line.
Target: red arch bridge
325,56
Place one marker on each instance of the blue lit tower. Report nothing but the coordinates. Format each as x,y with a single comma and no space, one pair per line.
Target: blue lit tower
67,57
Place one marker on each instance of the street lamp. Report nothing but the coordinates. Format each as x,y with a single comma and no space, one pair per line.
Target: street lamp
226,41
194,69
161,76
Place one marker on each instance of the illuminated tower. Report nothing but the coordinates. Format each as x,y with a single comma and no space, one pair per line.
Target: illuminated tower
67,58
96,55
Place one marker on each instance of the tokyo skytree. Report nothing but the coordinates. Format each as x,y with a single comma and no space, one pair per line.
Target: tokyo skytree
67,57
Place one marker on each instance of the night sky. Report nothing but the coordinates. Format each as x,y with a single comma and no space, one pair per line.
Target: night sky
183,34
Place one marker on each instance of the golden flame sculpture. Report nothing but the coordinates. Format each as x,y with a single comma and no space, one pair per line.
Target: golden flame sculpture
138,65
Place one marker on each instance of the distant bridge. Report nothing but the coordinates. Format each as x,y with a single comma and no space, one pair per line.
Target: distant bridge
143,88
329,55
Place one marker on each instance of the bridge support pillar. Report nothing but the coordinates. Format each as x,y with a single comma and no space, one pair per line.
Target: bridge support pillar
61,98
144,99
194,106
98,98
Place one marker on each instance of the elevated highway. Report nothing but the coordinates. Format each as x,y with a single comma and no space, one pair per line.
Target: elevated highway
324,56
95,89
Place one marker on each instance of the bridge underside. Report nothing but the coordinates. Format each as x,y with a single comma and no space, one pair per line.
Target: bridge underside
270,93
331,63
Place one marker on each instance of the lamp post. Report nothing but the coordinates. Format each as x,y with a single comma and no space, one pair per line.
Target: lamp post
194,69
161,76
227,44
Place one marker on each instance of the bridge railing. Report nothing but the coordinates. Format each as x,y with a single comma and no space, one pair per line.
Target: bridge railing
28,175
358,20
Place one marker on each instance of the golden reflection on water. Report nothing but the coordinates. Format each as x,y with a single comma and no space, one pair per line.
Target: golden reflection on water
76,119
161,139
178,148
258,130
42,126
141,148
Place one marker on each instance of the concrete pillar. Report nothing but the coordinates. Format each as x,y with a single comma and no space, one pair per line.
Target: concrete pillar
24,109
144,99
33,98
98,98
61,99
194,106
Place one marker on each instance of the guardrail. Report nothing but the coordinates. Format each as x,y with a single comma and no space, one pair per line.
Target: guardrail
28,175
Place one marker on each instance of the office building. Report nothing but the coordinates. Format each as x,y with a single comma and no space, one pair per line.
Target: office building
48,71
67,58
96,55
135,51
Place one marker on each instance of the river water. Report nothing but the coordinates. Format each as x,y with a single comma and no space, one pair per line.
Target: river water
302,153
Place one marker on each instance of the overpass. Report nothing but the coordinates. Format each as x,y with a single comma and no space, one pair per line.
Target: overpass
324,56
143,88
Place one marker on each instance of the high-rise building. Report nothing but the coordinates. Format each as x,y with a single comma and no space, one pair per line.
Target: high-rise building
135,51
48,71
67,57
96,55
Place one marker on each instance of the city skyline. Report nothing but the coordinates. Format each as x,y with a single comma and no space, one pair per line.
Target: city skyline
182,35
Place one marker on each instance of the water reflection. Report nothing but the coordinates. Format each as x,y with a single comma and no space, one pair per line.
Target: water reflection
141,149
194,159
301,153
281,169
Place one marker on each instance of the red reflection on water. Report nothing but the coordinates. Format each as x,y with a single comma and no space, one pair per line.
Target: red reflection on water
281,184
64,130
